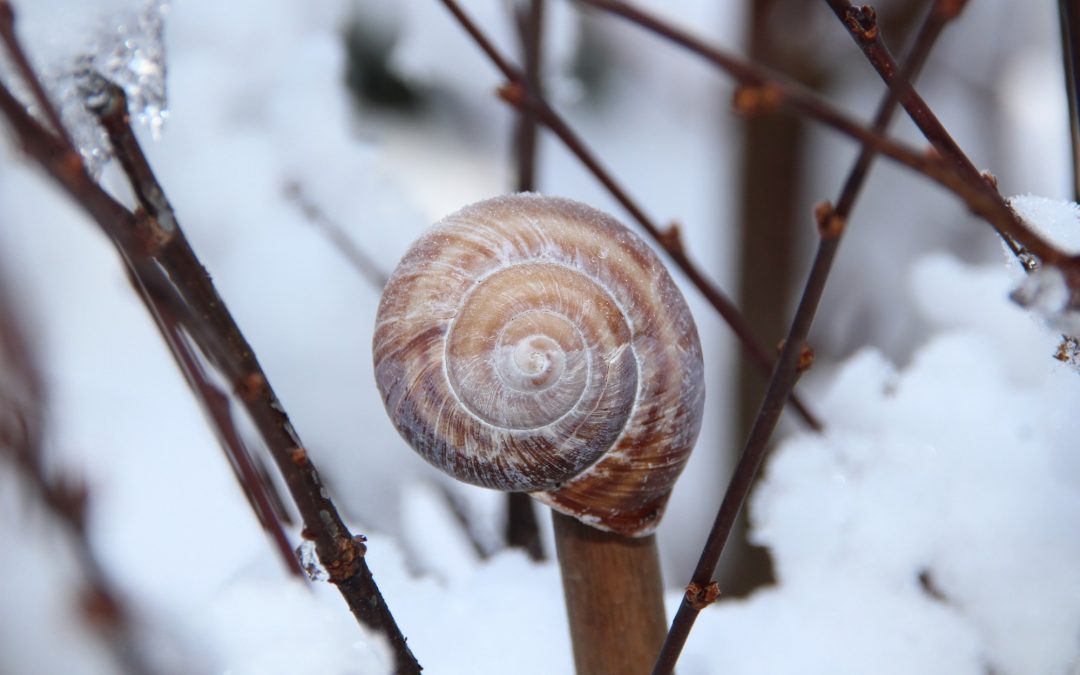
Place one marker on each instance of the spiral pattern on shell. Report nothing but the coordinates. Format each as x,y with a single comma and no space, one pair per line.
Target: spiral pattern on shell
534,344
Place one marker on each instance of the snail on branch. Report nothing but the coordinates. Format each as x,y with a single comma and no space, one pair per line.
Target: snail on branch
534,344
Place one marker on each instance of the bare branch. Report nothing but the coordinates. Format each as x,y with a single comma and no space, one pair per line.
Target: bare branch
793,361
522,529
763,91
26,71
360,261
158,255
518,95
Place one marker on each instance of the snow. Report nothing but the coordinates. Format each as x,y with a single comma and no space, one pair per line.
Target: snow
954,467
949,453
1056,220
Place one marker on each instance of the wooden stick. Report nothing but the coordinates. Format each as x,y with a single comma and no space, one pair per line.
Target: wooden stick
614,598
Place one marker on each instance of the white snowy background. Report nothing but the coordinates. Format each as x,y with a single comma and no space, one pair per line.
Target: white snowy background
949,454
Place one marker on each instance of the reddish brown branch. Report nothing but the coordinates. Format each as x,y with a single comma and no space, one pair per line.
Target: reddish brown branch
531,29
215,405
518,95
26,71
159,256
861,24
159,303
794,359
770,91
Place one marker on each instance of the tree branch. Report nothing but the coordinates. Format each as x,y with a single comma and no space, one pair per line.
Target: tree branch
522,530
518,95
159,302
159,256
794,358
763,91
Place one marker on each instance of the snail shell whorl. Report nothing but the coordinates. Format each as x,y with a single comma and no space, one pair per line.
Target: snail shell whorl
534,344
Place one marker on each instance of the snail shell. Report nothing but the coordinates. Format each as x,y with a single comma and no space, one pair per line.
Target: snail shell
534,344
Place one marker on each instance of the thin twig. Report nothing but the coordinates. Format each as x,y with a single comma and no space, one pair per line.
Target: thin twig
861,24
531,29
112,112
66,499
459,509
1069,17
793,358
215,405
369,271
360,261
669,239
152,245
26,71
522,529
763,91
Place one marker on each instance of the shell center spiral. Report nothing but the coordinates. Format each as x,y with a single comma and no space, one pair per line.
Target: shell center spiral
534,363
516,356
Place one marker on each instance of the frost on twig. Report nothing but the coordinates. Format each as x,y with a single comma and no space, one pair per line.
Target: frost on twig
126,48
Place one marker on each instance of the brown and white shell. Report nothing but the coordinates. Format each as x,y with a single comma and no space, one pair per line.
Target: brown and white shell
534,344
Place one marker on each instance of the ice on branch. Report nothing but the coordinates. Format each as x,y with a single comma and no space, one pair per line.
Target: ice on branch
124,45
309,560
128,49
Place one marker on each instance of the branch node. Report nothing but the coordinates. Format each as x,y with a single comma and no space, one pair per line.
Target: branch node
299,457
346,562
252,387
862,22
671,239
806,356
806,359
70,496
699,597
101,609
830,223
948,10
756,99
990,179
513,93
150,236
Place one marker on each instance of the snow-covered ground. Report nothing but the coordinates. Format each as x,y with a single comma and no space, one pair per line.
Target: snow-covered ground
949,456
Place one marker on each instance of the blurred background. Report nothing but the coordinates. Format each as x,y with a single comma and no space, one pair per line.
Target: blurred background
291,128
741,189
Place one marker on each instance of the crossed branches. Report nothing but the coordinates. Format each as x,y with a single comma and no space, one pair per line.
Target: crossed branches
194,321
192,318
763,92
